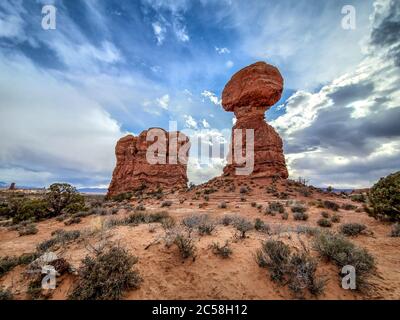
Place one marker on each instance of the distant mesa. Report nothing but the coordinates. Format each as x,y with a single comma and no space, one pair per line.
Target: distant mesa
134,172
249,94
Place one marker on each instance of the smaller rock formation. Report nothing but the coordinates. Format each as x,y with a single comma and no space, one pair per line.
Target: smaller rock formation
249,94
134,172
12,186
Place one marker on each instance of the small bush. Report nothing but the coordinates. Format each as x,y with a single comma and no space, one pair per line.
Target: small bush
244,190
395,230
254,204
30,229
285,216
352,229
28,209
302,216
227,220
384,198
62,196
325,223
74,220
260,225
330,205
223,251
298,208
5,294
222,205
186,246
60,237
206,227
275,256
335,218
106,276
349,206
276,207
342,252
166,203
140,207
358,198
325,214
122,197
242,225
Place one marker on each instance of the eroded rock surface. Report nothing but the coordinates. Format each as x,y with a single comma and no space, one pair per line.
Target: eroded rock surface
134,172
249,94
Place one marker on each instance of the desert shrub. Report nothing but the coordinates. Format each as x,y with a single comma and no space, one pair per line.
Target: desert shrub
5,294
358,198
73,220
242,225
122,197
193,221
285,216
302,216
331,205
348,206
206,198
276,207
325,214
335,218
222,205
384,198
24,209
325,223
206,227
395,230
352,229
223,251
275,256
59,237
185,245
168,223
254,204
62,196
298,208
209,190
342,252
227,220
244,190
311,231
8,263
106,276
30,229
166,203
242,198
260,225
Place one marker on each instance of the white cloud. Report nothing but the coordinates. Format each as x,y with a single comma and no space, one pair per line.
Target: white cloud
159,31
163,102
190,122
211,96
222,50
205,123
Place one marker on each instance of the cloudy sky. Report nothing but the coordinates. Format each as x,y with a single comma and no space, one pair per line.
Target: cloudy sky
116,67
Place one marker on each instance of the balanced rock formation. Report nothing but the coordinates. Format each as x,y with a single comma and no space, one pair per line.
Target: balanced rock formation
133,170
249,94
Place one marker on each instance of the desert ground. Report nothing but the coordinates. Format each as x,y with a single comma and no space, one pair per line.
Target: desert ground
167,275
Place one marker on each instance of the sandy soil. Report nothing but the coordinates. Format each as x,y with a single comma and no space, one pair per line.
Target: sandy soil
167,276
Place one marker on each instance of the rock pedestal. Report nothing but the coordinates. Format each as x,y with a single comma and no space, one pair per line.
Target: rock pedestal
249,94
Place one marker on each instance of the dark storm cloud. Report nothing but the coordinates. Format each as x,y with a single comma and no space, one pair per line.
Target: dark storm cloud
351,93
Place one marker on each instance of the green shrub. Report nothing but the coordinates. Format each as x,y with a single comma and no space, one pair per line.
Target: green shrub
330,205
352,229
223,251
242,225
23,209
5,294
298,208
285,216
27,230
335,218
8,263
300,216
73,220
395,230
63,196
384,198
222,205
325,223
186,246
260,225
206,227
276,207
342,252
349,206
59,237
227,220
106,276
166,203
298,270
358,198
122,197
325,214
